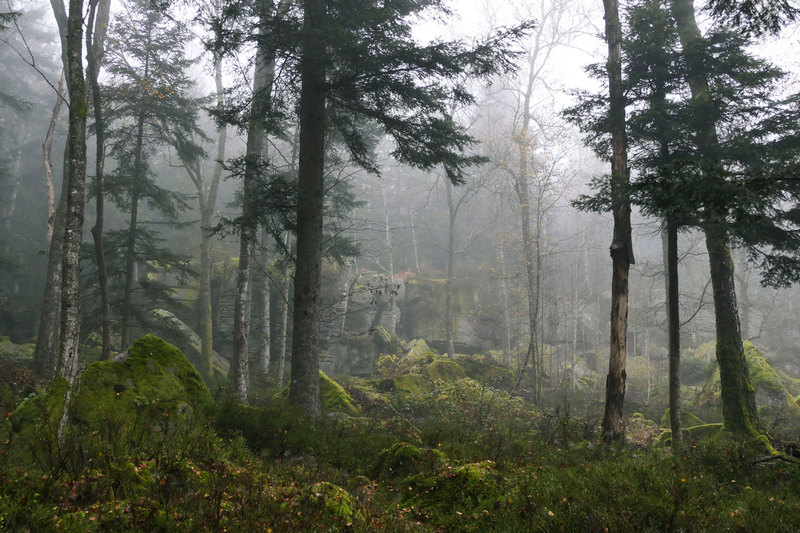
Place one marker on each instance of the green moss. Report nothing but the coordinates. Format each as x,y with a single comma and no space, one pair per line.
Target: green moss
404,459
41,412
445,370
411,383
763,376
19,353
702,431
333,398
771,390
467,485
337,502
693,433
483,370
418,350
154,372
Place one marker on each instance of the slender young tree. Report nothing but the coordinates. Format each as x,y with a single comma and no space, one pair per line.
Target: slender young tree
621,247
207,188
76,187
97,24
257,128
47,339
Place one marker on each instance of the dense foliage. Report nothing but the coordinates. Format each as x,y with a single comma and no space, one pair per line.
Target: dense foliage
454,454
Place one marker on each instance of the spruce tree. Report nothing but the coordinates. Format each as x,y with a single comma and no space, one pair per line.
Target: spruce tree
359,60
700,124
150,106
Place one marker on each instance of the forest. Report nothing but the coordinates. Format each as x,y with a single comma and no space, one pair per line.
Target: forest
399,265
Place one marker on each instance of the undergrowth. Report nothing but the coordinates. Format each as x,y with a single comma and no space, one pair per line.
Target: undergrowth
461,457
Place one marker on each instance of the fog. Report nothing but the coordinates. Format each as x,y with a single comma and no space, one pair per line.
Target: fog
405,249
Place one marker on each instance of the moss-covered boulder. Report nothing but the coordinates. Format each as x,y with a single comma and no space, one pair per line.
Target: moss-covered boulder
337,503
413,384
484,370
177,332
18,353
419,352
37,418
469,485
151,372
333,398
444,370
358,355
404,459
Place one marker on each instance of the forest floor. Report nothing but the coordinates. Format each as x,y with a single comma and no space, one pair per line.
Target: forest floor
423,447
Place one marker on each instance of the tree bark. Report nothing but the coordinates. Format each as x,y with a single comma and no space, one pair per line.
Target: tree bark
448,288
674,328
73,224
304,390
130,253
45,359
506,303
207,198
530,257
621,249
739,411
95,37
47,338
284,328
264,341
390,252
262,86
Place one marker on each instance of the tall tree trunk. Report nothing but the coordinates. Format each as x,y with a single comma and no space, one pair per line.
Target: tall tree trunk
414,243
95,37
739,410
264,340
8,213
574,310
304,391
448,289
73,224
506,302
240,311
284,328
390,251
45,358
738,396
621,249
130,252
208,201
134,192
262,89
674,327
523,195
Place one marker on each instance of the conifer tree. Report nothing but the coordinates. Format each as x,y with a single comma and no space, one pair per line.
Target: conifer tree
699,137
359,61
150,107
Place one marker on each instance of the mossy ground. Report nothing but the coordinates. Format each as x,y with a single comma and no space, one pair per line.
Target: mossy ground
458,456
